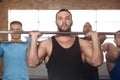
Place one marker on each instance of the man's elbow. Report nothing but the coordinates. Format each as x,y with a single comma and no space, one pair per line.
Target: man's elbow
31,65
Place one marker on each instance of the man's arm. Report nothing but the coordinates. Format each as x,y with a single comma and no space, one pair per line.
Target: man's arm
112,55
92,51
111,52
32,54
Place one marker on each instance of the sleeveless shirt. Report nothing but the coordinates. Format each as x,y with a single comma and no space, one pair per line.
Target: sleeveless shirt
115,72
90,72
65,63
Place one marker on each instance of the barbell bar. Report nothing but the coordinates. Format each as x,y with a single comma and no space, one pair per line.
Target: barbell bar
15,42
52,32
4,41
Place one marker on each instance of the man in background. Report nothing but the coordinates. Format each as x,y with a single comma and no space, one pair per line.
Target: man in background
113,57
91,72
13,55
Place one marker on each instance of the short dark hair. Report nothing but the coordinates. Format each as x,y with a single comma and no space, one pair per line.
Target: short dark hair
16,22
117,33
61,10
87,23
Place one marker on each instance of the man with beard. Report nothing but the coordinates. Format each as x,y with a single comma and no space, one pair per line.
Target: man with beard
63,53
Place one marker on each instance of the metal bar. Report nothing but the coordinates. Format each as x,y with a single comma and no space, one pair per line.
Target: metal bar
15,42
43,32
52,32
12,42
38,41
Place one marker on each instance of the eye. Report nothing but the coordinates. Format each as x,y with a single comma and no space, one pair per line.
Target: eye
15,29
68,18
59,18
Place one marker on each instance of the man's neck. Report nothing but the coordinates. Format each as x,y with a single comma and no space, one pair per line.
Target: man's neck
16,40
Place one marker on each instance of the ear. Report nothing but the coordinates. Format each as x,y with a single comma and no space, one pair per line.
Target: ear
72,22
55,22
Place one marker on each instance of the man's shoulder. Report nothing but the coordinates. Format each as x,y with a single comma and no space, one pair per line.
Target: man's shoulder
46,42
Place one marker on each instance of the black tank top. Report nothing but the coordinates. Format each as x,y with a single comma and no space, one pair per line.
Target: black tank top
65,63
90,72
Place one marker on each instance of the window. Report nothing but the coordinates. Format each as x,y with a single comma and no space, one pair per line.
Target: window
44,20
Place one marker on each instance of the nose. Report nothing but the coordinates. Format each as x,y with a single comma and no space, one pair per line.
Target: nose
63,20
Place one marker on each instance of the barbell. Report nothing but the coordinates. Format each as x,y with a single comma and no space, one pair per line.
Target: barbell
48,32
12,42
52,32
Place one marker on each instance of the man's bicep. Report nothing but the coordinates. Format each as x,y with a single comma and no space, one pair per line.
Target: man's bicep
41,51
86,50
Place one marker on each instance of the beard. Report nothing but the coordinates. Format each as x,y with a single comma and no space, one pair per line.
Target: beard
64,30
